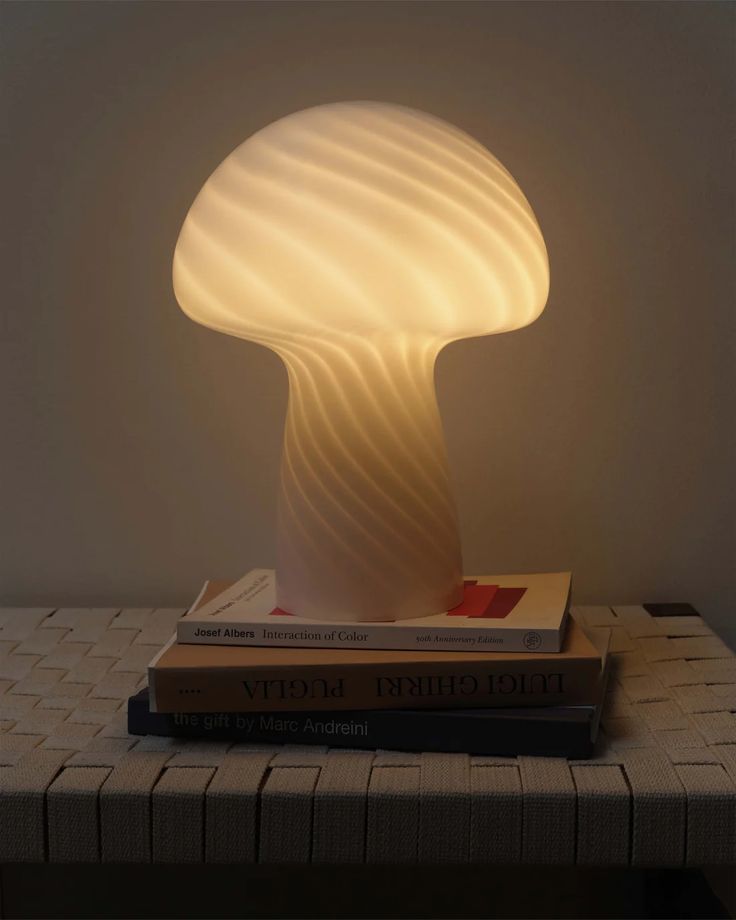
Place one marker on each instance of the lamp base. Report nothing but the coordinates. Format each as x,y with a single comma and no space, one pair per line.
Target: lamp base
367,526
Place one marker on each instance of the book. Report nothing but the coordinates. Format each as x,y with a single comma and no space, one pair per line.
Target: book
552,731
514,613
214,678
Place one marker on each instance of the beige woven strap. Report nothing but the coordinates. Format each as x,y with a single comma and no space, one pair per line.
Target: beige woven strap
232,807
340,807
496,813
125,807
659,809
178,814
73,815
393,815
444,816
603,825
711,812
23,805
286,815
549,815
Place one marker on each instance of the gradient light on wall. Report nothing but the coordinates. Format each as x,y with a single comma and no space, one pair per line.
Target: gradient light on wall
356,240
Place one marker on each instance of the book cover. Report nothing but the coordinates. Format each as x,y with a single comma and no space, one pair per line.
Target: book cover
515,613
210,678
555,731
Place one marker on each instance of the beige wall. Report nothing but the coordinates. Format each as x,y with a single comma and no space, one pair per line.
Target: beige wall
141,451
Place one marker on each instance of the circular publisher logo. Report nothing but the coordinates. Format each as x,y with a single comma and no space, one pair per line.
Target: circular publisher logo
532,640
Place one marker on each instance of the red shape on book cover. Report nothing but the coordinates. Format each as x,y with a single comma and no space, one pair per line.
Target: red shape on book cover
504,601
476,600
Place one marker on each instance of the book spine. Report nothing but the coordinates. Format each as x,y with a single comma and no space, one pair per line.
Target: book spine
389,730
368,636
418,685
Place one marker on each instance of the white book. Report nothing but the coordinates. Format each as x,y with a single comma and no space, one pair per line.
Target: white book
499,613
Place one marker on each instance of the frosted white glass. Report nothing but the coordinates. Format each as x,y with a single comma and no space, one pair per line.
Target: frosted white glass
356,240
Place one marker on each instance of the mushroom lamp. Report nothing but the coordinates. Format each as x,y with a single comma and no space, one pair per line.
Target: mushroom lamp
356,240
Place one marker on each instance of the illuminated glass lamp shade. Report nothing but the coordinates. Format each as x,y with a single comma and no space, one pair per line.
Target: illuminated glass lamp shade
356,240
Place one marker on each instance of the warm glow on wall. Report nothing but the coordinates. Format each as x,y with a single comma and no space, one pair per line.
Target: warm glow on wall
356,240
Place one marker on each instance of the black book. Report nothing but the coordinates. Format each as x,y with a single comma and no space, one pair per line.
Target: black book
553,731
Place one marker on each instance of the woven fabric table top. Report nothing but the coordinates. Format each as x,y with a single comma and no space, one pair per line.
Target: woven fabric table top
76,787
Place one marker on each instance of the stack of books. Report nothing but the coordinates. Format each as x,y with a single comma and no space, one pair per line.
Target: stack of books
508,672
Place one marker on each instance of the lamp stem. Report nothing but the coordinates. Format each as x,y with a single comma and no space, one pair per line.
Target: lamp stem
367,526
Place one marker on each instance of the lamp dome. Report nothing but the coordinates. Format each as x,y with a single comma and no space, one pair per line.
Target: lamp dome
361,217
